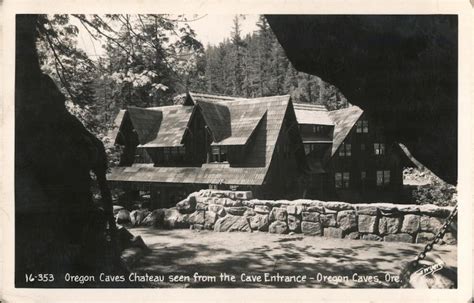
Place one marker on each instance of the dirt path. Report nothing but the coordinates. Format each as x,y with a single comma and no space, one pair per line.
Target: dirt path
325,262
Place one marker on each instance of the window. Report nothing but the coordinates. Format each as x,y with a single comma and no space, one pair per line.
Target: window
219,153
338,180
182,150
362,147
308,148
362,126
317,129
345,180
342,180
379,149
383,177
345,150
363,175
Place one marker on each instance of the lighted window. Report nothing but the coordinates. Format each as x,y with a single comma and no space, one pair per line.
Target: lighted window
379,149
342,180
363,175
345,150
362,126
383,177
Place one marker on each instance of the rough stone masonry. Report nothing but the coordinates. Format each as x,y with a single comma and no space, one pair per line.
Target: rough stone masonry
229,211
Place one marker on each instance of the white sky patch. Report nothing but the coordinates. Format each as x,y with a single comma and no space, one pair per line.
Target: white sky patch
211,29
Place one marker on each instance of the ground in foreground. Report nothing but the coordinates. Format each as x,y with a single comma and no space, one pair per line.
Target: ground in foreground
190,258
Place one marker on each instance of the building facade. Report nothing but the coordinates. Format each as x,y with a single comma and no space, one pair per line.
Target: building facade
276,149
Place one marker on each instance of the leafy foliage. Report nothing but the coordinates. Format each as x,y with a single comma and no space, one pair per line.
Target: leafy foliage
430,188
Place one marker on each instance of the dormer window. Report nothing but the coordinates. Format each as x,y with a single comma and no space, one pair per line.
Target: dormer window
362,126
219,153
345,150
317,129
379,149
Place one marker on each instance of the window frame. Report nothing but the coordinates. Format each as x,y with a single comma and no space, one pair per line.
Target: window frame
219,154
342,180
345,150
362,126
384,176
379,149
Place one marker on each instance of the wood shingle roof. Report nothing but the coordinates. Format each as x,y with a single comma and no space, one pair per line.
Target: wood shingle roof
344,120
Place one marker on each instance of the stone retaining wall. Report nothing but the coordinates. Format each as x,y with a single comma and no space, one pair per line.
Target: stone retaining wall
227,211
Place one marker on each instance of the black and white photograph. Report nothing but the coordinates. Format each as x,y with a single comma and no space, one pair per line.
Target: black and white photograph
237,151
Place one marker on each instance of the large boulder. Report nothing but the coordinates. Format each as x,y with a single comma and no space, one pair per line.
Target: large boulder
278,227
262,209
123,216
187,205
210,219
310,216
294,223
389,225
174,219
197,217
367,224
367,210
411,224
138,215
218,209
232,223
259,222
431,224
347,220
278,214
155,218
311,228
328,220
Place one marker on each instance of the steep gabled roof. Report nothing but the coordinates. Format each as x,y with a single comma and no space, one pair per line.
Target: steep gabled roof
217,117
116,126
344,120
312,114
173,126
146,122
232,120
235,121
162,126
